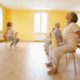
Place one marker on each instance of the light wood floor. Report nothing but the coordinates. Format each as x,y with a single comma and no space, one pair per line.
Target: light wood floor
27,62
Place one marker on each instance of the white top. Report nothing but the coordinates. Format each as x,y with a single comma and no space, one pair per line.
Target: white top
10,33
58,34
69,34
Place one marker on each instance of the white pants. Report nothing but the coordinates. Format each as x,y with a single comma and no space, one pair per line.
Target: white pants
47,44
56,53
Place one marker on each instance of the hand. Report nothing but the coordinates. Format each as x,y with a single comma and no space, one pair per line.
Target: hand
5,37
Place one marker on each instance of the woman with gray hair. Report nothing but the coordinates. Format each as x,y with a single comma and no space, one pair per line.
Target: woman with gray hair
71,34
59,39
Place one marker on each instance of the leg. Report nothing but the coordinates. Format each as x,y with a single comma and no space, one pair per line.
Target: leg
12,42
16,41
74,63
58,52
47,44
66,59
49,64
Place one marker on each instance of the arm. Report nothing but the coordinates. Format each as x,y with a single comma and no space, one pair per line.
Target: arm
54,41
5,34
78,33
59,35
61,38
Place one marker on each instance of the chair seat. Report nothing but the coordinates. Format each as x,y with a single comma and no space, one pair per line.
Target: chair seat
73,51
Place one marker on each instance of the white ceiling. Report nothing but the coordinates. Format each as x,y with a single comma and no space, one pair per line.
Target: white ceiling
42,4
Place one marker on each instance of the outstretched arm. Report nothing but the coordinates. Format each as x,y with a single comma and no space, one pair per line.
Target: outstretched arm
5,34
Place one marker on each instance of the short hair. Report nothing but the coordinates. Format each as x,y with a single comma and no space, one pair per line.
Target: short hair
9,24
57,25
74,17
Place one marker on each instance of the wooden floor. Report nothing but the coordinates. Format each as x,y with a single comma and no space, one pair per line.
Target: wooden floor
27,62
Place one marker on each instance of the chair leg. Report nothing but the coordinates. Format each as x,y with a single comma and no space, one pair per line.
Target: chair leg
66,59
74,64
6,43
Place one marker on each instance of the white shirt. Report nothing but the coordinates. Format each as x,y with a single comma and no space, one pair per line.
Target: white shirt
58,34
69,34
10,33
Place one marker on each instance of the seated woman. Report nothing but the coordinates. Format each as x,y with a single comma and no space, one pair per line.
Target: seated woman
58,34
59,39
9,35
48,42
71,34
15,39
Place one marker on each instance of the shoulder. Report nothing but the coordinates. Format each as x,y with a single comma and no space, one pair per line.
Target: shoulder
74,26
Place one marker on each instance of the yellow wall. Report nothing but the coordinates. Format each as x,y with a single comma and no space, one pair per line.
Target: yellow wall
23,21
56,16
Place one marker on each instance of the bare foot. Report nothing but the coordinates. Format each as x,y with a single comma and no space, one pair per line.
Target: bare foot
49,64
52,71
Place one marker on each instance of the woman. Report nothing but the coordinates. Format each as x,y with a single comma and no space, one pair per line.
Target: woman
48,41
9,31
9,34
70,36
59,39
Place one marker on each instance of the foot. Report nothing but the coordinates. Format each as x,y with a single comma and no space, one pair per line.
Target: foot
45,50
47,53
11,45
15,46
49,64
52,71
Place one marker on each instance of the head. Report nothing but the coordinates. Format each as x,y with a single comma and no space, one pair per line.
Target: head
57,25
9,24
53,29
71,17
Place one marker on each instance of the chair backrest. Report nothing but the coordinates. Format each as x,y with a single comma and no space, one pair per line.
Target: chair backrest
54,41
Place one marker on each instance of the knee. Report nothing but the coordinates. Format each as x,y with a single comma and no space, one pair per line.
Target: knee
56,52
50,48
18,40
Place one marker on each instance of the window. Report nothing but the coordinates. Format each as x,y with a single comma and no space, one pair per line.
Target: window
40,22
78,19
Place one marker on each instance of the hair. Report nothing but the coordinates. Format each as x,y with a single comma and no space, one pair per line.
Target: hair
53,29
9,24
74,17
57,25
